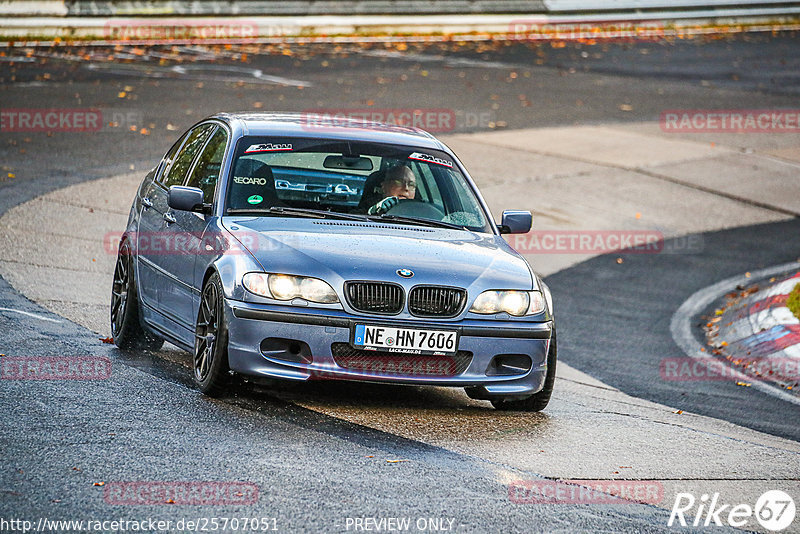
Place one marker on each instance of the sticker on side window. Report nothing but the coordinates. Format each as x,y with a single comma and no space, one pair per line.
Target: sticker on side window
269,147
419,156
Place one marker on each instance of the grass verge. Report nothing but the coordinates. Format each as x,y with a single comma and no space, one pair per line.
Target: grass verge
793,302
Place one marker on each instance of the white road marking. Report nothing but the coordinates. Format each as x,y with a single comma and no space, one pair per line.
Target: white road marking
681,329
29,314
785,287
452,61
228,69
24,59
774,317
219,73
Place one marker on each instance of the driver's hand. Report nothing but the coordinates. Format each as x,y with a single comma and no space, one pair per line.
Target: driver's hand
383,206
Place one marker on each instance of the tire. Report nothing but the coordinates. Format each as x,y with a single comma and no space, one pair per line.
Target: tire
538,401
210,369
126,326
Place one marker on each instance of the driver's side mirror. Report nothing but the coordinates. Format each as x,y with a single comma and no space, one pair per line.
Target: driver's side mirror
186,199
516,222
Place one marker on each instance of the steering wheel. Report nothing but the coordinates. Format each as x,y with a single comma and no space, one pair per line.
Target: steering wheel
411,207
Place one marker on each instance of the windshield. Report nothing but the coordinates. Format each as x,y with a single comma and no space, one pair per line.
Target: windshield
367,179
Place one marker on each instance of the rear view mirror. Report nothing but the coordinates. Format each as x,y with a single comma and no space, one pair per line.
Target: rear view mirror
352,163
185,198
516,222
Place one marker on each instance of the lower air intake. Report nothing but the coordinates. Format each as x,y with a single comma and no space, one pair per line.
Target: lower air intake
399,364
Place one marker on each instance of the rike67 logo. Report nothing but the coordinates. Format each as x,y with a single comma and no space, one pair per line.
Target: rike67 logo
774,510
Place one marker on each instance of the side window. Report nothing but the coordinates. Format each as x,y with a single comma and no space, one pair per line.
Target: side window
206,170
177,172
170,157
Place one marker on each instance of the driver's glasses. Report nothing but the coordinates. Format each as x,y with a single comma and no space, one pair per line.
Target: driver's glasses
410,184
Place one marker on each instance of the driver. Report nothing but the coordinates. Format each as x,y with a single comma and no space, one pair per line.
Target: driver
399,182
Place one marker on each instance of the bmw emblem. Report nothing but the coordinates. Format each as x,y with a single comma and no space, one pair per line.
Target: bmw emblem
405,273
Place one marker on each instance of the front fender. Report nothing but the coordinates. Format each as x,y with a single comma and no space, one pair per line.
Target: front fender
231,264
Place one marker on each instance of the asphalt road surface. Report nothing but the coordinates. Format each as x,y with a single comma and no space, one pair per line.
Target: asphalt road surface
323,455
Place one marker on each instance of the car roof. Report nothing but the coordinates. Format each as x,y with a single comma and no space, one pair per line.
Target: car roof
327,125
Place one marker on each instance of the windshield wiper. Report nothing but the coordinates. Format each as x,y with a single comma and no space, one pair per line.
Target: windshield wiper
417,220
324,214
299,212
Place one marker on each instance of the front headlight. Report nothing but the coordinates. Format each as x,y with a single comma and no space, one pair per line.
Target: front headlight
516,303
288,287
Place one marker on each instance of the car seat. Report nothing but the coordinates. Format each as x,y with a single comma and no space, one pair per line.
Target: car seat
252,168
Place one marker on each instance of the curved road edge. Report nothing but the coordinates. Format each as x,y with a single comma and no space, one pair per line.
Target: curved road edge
683,333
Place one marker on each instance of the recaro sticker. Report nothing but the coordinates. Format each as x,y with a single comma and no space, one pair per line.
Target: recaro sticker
419,156
269,147
249,181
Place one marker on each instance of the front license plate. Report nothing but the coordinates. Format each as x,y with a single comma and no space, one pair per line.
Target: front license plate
406,340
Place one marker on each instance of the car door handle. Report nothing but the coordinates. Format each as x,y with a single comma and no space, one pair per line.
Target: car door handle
147,203
170,218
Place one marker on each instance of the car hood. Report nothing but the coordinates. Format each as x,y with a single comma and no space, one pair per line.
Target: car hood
337,250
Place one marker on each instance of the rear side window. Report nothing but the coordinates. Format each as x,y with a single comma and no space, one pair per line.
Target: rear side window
206,171
183,160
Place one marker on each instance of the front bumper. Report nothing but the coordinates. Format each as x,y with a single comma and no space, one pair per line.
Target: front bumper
323,330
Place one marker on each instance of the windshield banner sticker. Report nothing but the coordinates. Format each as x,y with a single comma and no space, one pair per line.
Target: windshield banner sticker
419,156
269,147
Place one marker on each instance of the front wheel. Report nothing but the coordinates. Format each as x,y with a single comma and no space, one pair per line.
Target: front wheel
538,401
126,328
210,362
